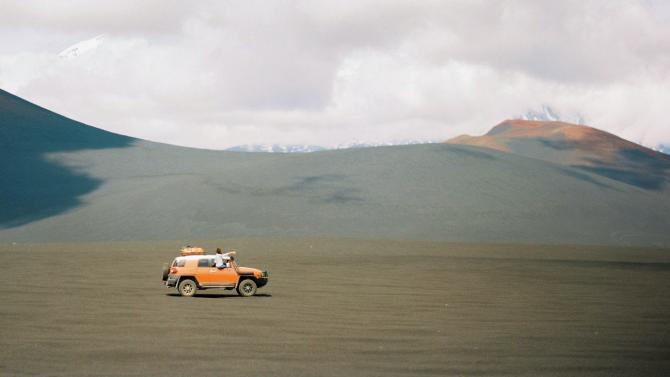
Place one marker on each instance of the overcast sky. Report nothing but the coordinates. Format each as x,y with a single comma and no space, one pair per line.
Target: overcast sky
223,73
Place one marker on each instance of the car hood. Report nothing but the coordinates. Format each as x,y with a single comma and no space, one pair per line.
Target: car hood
248,270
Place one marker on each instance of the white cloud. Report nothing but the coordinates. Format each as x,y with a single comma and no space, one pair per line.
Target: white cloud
217,74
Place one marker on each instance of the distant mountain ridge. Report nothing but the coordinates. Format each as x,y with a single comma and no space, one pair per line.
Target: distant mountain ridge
276,148
545,113
306,148
577,146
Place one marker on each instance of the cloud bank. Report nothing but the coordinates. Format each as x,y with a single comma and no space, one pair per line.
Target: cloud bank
217,74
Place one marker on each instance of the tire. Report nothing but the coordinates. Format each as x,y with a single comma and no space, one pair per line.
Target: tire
166,270
246,288
187,287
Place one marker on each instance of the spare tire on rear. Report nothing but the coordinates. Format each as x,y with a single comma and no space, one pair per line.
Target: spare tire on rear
166,271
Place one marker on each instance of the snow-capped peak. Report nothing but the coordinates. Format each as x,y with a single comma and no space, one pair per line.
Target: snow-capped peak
81,48
545,113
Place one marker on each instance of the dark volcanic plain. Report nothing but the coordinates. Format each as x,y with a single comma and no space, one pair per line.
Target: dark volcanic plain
338,307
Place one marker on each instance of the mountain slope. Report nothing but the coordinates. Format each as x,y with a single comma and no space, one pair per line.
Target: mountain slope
34,185
144,190
581,147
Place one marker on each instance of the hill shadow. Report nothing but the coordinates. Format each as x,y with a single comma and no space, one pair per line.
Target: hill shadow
467,151
583,177
324,188
559,145
34,186
330,188
634,167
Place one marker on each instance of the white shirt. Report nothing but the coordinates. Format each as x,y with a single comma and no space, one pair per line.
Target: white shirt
220,260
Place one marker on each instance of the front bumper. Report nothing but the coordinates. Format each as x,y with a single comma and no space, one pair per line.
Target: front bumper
263,281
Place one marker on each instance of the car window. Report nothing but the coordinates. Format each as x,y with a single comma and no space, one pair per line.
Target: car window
205,262
179,263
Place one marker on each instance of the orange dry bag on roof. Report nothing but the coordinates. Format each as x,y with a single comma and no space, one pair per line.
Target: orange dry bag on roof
190,250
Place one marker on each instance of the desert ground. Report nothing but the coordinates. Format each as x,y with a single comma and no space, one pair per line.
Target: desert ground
339,307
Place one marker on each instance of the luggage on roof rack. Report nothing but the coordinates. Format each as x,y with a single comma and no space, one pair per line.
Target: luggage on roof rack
190,250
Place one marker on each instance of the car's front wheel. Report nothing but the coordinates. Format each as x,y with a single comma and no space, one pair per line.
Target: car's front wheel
246,288
187,287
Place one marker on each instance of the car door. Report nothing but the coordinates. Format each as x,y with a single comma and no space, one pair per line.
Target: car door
204,272
209,275
226,276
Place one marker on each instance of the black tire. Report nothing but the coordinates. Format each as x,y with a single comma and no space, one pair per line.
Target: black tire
187,287
246,288
166,270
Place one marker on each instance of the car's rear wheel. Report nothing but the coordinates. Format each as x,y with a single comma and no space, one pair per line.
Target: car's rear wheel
246,288
187,287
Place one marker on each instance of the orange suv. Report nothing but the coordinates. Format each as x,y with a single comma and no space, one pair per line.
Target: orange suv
189,273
